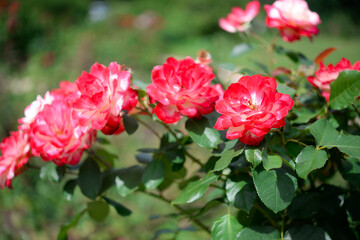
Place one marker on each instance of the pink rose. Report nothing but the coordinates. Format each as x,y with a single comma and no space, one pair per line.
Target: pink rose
251,107
293,18
105,93
15,153
325,75
57,135
239,20
182,87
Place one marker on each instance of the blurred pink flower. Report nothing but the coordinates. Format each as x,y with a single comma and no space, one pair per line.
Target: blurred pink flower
293,18
325,75
238,20
15,153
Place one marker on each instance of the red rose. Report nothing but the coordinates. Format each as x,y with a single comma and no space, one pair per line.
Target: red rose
251,107
15,153
182,87
105,92
239,20
325,75
293,18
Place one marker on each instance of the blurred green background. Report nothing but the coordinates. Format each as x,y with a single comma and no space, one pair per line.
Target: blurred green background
44,42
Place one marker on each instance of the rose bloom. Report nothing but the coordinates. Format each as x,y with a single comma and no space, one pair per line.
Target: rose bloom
293,18
105,93
182,87
239,20
251,107
57,135
325,75
15,153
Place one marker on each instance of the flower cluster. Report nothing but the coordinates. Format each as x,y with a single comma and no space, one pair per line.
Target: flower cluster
60,126
292,17
325,75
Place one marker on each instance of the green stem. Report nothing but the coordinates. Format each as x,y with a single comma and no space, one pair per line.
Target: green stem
183,211
147,126
272,222
356,109
296,141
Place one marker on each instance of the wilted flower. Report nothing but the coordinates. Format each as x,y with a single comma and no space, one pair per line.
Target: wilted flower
15,153
325,75
251,107
105,93
293,18
182,87
239,20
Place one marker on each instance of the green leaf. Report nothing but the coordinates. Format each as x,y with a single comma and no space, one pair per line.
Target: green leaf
120,209
242,194
105,156
128,180
48,171
195,190
272,161
344,89
89,178
226,158
153,174
325,134
254,155
66,227
276,188
240,49
283,88
258,233
304,115
310,159
349,144
350,170
225,228
202,133
69,188
209,206
130,124
306,232
98,210
294,56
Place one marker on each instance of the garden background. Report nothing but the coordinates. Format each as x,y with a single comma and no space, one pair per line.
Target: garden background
44,42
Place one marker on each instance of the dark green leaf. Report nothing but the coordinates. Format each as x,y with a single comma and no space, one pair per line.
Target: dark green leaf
258,233
304,115
103,140
344,89
351,171
310,159
305,205
202,133
325,134
66,227
240,49
69,188
130,124
153,174
306,232
209,206
349,144
105,156
128,179
98,210
225,228
144,158
89,178
195,190
276,188
242,194
120,209
294,56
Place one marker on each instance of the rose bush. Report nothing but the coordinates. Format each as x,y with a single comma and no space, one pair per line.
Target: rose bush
270,176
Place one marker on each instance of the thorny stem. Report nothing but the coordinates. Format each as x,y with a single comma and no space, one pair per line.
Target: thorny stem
183,211
147,126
